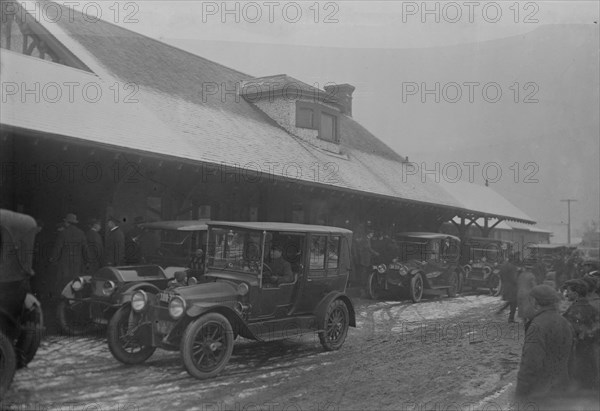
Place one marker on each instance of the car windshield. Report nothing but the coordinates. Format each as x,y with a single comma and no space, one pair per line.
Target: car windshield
491,252
412,249
168,247
235,249
427,249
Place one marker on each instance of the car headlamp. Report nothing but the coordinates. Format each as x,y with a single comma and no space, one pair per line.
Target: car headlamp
139,299
243,289
467,268
77,284
108,287
176,307
403,270
487,270
381,268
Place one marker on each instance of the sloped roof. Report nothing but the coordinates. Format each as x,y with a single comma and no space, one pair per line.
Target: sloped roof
179,115
484,200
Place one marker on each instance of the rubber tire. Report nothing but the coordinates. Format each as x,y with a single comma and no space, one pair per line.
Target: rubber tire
452,290
372,285
30,338
498,288
414,295
187,344
114,340
8,363
332,344
66,326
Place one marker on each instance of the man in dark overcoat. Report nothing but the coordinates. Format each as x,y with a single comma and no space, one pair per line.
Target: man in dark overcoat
508,277
585,321
115,244
70,252
525,282
364,253
95,246
544,368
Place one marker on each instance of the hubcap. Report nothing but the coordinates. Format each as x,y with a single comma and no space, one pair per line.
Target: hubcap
208,349
335,325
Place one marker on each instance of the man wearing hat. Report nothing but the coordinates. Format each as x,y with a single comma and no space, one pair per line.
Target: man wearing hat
546,349
585,321
114,253
281,269
95,246
70,252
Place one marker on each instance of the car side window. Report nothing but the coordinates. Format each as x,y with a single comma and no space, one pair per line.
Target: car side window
317,255
333,252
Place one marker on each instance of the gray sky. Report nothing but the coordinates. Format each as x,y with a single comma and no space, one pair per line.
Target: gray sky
545,52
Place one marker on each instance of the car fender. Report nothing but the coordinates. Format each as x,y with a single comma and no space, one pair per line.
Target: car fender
426,283
328,299
68,292
125,294
31,302
238,324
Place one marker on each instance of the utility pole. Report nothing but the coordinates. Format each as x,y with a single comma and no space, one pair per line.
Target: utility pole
568,201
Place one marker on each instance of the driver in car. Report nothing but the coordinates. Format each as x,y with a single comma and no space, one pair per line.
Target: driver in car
281,270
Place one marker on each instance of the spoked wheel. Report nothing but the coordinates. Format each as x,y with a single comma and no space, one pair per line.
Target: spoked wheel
8,363
74,317
124,340
494,285
374,291
336,326
416,287
207,345
453,282
31,336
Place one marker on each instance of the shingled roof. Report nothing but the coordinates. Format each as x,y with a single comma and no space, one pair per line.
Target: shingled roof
177,117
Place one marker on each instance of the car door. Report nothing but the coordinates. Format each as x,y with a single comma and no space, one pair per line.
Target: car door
325,270
276,301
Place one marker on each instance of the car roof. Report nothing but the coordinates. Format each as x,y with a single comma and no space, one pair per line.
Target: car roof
550,246
486,239
276,226
17,224
179,225
427,236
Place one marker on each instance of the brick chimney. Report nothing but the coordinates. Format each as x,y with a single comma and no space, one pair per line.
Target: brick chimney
342,95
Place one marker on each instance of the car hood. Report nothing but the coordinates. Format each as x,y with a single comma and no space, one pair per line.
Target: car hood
217,291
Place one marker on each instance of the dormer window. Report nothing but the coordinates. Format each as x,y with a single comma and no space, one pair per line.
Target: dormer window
317,117
305,117
328,129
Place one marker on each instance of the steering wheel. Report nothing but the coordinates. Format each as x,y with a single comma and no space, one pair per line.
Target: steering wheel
253,265
164,252
268,272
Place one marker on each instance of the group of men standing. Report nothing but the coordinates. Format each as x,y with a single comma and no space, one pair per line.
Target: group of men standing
75,252
561,351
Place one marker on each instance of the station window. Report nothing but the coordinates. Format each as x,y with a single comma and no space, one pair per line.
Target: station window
328,129
305,117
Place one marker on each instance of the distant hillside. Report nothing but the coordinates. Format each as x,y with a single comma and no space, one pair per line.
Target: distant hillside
560,134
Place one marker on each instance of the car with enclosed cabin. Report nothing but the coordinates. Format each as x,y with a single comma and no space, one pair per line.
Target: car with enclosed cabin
264,281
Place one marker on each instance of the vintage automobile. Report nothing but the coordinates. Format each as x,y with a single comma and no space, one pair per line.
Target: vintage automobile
166,248
244,294
21,319
481,259
545,254
427,263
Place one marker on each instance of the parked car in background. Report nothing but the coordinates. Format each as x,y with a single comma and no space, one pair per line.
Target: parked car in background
264,281
426,263
166,248
545,254
21,318
481,259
